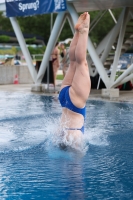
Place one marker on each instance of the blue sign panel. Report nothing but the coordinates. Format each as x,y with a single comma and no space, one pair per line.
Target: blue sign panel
33,7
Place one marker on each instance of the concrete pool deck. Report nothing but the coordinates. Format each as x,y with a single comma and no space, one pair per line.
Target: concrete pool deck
125,96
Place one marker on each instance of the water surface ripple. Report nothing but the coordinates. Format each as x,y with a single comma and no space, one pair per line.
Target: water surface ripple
32,167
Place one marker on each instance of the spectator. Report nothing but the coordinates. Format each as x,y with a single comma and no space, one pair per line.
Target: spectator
55,60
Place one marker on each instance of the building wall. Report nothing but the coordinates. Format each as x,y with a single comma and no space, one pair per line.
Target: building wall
8,72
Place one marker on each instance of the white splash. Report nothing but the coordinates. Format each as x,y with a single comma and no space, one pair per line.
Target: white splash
47,132
96,136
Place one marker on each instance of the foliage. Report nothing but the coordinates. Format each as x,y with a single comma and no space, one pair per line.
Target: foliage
38,50
11,51
40,25
118,74
5,23
4,39
104,25
14,50
66,32
30,40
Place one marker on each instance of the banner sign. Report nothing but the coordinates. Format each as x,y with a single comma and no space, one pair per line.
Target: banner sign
33,7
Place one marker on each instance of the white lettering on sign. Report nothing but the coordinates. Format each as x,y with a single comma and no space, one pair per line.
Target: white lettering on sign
28,6
59,4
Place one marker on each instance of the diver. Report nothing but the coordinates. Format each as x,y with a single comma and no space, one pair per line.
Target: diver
75,88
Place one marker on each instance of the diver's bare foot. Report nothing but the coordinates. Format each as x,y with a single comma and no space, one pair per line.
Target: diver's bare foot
83,22
80,20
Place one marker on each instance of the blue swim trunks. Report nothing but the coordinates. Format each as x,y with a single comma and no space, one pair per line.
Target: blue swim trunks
66,102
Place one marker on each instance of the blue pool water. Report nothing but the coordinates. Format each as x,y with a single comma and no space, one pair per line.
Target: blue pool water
32,167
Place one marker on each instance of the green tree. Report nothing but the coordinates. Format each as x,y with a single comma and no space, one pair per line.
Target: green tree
38,50
4,39
5,23
66,32
30,40
104,25
40,25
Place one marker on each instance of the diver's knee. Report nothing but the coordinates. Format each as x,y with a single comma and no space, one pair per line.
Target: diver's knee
81,62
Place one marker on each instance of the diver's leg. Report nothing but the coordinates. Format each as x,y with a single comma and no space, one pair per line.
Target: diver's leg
80,89
71,69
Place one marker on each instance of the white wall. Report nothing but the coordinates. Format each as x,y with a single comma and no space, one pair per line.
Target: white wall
8,72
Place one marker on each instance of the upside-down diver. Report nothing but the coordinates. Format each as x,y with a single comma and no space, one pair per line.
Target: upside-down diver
75,88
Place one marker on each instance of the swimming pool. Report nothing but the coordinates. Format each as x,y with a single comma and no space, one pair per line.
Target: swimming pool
32,167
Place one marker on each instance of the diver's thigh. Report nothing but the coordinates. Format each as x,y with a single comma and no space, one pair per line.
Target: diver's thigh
81,82
69,75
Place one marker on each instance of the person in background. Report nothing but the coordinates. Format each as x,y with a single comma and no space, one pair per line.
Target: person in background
55,60
62,50
63,56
